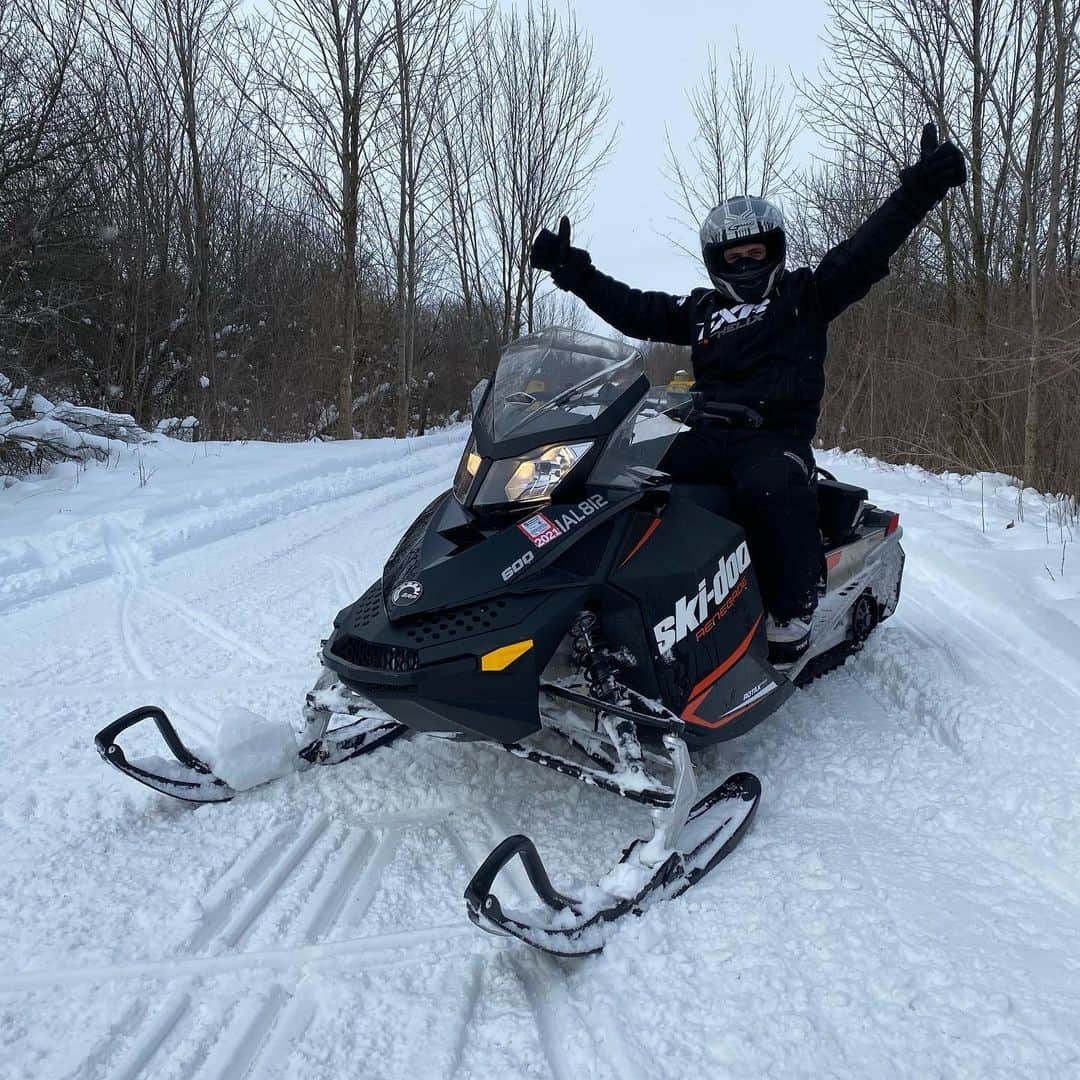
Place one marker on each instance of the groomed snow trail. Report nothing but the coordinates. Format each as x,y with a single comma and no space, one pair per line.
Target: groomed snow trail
907,903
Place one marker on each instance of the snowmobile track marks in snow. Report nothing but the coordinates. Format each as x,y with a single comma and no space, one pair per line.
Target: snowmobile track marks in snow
129,561
249,508
350,868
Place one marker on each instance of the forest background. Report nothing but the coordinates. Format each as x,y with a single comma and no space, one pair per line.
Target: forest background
311,218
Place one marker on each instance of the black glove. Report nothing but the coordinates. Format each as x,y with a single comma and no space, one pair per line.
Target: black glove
552,252
940,167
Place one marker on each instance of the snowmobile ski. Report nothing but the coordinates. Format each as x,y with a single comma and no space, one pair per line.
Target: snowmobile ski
187,777
686,844
569,927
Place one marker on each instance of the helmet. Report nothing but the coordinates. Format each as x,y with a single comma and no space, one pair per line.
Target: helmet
744,219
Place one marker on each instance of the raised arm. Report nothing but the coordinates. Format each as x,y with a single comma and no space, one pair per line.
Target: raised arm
848,271
653,316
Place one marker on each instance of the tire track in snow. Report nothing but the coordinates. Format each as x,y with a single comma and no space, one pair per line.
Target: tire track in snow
237,1047
474,985
127,569
374,951
129,560
123,1056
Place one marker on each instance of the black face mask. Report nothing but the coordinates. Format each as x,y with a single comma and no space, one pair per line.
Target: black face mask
744,267
746,280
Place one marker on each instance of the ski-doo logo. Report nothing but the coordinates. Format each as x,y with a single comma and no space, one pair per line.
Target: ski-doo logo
726,320
408,592
541,530
692,611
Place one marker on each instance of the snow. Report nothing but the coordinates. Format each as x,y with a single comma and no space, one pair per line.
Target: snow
250,749
907,903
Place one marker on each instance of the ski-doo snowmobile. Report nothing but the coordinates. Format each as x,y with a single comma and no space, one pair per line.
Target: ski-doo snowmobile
569,603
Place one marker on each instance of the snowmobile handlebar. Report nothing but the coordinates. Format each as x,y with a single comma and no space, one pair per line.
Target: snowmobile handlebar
727,412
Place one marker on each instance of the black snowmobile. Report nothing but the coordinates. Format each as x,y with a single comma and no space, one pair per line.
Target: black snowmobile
569,603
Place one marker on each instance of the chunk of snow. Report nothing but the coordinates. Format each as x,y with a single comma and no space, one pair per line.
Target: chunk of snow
204,381
250,749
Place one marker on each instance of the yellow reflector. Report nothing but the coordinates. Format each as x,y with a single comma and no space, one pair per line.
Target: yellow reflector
501,659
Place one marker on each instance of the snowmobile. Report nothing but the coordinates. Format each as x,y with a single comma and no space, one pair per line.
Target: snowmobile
569,603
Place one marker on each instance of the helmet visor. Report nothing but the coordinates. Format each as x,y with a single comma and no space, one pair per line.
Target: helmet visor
715,257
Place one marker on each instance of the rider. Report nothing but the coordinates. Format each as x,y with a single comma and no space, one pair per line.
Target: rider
758,339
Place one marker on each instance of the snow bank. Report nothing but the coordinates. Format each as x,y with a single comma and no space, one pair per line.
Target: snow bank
37,432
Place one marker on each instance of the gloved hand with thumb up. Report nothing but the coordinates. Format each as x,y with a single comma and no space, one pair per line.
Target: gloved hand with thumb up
552,252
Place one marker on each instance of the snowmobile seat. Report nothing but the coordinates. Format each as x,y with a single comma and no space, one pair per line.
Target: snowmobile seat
839,507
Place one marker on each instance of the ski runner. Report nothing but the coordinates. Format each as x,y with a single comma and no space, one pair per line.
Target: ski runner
758,339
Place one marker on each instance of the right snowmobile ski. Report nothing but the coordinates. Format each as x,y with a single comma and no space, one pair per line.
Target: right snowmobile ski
569,603
191,779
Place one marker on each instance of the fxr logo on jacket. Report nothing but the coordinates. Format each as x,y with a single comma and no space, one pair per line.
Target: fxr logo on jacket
727,320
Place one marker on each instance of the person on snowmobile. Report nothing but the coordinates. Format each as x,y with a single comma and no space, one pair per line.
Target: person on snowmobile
758,339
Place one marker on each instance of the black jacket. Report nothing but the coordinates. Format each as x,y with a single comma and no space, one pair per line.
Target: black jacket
770,355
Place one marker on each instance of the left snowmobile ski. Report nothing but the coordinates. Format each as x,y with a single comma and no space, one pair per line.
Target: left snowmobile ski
688,840
569,603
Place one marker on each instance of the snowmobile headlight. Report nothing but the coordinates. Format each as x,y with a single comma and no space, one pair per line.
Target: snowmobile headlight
538,474
467,469
533,477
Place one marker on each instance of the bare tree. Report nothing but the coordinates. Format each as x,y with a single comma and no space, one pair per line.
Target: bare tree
991,274
541,110
745,127
318,86
178,45
423,58
1060,27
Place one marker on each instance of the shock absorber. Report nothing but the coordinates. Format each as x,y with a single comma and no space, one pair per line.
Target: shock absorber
600,672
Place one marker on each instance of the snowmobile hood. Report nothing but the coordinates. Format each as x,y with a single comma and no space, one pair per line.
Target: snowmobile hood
447,559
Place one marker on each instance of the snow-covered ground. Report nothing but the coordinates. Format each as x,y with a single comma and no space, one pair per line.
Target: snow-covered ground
907,903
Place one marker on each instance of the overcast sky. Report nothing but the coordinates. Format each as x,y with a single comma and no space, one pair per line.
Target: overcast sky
652,52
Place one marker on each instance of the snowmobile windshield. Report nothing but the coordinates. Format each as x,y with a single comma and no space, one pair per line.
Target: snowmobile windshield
643,438
555,382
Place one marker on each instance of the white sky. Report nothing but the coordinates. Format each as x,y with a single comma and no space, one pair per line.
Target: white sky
652,52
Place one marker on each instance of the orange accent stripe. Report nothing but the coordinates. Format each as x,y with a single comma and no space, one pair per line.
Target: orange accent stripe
641,543
697,695
833,558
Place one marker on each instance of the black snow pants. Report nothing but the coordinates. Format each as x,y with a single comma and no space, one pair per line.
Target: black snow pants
772,476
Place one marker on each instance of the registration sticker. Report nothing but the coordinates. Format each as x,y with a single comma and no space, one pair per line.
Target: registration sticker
540,530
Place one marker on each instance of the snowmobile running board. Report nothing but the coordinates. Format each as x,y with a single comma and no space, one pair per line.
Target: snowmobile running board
644,875
189,778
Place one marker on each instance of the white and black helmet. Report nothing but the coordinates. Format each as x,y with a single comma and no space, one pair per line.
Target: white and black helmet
744,219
